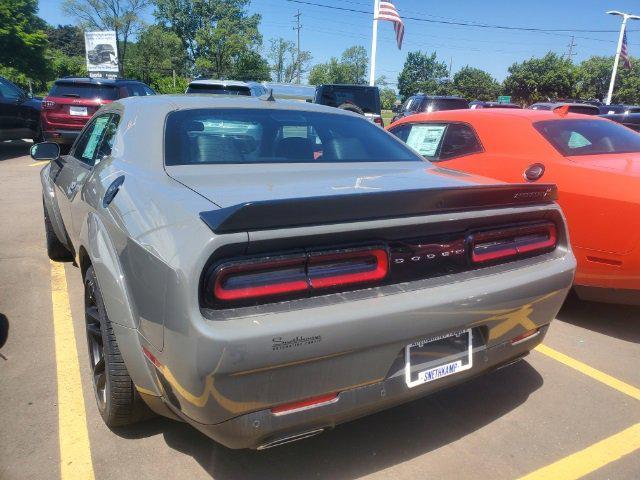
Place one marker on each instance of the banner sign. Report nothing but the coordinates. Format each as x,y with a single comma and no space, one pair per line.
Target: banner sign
102,54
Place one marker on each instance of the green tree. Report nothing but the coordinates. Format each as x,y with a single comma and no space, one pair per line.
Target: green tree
350,68
388,98
285,60
594,75
62,65
250,65
69,39
22,39
356,61
475,84
333,71
215,33
627,87
157,53
122,16
421,73
538,79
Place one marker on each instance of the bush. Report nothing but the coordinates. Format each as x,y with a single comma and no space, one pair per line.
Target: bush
165,85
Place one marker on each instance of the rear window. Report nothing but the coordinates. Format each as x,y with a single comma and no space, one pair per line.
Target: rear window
446,104
218,136
84,90
219,89
367,98
588,137
584,109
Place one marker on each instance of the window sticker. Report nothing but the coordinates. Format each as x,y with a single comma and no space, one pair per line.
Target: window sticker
426,138
94,138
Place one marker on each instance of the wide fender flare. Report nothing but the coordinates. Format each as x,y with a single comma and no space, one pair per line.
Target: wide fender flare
102,253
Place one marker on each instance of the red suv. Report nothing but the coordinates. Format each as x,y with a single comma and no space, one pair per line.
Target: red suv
72,101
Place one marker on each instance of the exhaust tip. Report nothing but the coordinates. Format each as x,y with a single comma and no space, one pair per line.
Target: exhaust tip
291,438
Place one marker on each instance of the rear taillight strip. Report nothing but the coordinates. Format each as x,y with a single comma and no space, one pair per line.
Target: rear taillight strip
512,242
315,271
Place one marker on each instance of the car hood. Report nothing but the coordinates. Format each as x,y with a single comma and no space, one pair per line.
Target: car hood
624,163
228,185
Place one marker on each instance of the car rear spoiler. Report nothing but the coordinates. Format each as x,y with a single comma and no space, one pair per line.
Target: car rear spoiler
305,211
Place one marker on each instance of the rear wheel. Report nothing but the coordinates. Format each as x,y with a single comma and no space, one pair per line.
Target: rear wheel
118,400
55,248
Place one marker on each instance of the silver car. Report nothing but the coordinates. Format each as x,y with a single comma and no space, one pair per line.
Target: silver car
265,270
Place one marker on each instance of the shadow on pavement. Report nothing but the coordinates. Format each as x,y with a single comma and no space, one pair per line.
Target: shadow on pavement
618,321
14,149
367,445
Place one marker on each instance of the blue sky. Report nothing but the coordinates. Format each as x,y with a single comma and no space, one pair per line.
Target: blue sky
327,32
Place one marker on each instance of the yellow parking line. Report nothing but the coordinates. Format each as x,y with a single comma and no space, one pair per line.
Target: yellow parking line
591,458
590,371
75,452
38,164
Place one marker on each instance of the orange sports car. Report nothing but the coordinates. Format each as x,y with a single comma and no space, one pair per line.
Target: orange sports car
595,163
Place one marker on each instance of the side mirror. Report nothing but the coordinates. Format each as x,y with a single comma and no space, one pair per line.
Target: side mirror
309,100
395,109
45,151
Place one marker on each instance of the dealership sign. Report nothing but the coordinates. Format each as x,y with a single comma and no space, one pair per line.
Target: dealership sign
102,54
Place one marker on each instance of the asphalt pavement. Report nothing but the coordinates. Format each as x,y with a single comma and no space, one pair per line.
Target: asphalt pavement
571,409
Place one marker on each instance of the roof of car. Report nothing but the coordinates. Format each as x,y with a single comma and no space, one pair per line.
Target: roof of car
170,103
438,97
226,83
471,115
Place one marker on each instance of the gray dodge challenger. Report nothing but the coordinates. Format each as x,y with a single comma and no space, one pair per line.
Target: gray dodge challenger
265,270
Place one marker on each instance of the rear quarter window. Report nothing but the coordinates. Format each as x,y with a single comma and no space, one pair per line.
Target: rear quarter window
440,141
588,137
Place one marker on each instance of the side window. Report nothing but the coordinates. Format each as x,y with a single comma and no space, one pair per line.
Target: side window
147,90
402,132
136,90
8,91
408,104
106,145
459,140
86,146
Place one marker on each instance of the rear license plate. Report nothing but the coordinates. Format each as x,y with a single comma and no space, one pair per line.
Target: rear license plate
80,111
437,357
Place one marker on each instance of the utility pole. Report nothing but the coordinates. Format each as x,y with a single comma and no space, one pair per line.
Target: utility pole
374,43
571,46
625,17
298,27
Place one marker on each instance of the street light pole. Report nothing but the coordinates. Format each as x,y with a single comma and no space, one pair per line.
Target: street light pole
625,17
374,43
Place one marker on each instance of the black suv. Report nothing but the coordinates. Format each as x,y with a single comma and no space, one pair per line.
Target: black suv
428,103
19,113
102,53
361,99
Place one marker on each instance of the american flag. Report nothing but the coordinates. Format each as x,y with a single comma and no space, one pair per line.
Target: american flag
624,53
387,11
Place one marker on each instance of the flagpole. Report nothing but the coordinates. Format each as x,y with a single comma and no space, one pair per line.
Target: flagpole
374,43
616,61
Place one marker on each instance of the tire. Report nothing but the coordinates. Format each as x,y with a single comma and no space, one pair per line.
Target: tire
55,248
117,399
350,107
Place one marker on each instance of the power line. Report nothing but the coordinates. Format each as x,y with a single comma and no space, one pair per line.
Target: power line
459,23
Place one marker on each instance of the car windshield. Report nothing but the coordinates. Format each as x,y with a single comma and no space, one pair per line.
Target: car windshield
366,98
219,89
588,137
84,90
215,136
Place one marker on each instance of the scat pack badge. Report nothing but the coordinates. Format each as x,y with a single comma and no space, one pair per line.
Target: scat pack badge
281,343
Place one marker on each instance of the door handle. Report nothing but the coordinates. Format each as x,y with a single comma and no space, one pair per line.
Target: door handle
72,188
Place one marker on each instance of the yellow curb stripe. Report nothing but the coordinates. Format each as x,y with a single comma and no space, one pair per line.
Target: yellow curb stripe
75,452
590,371
591,458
